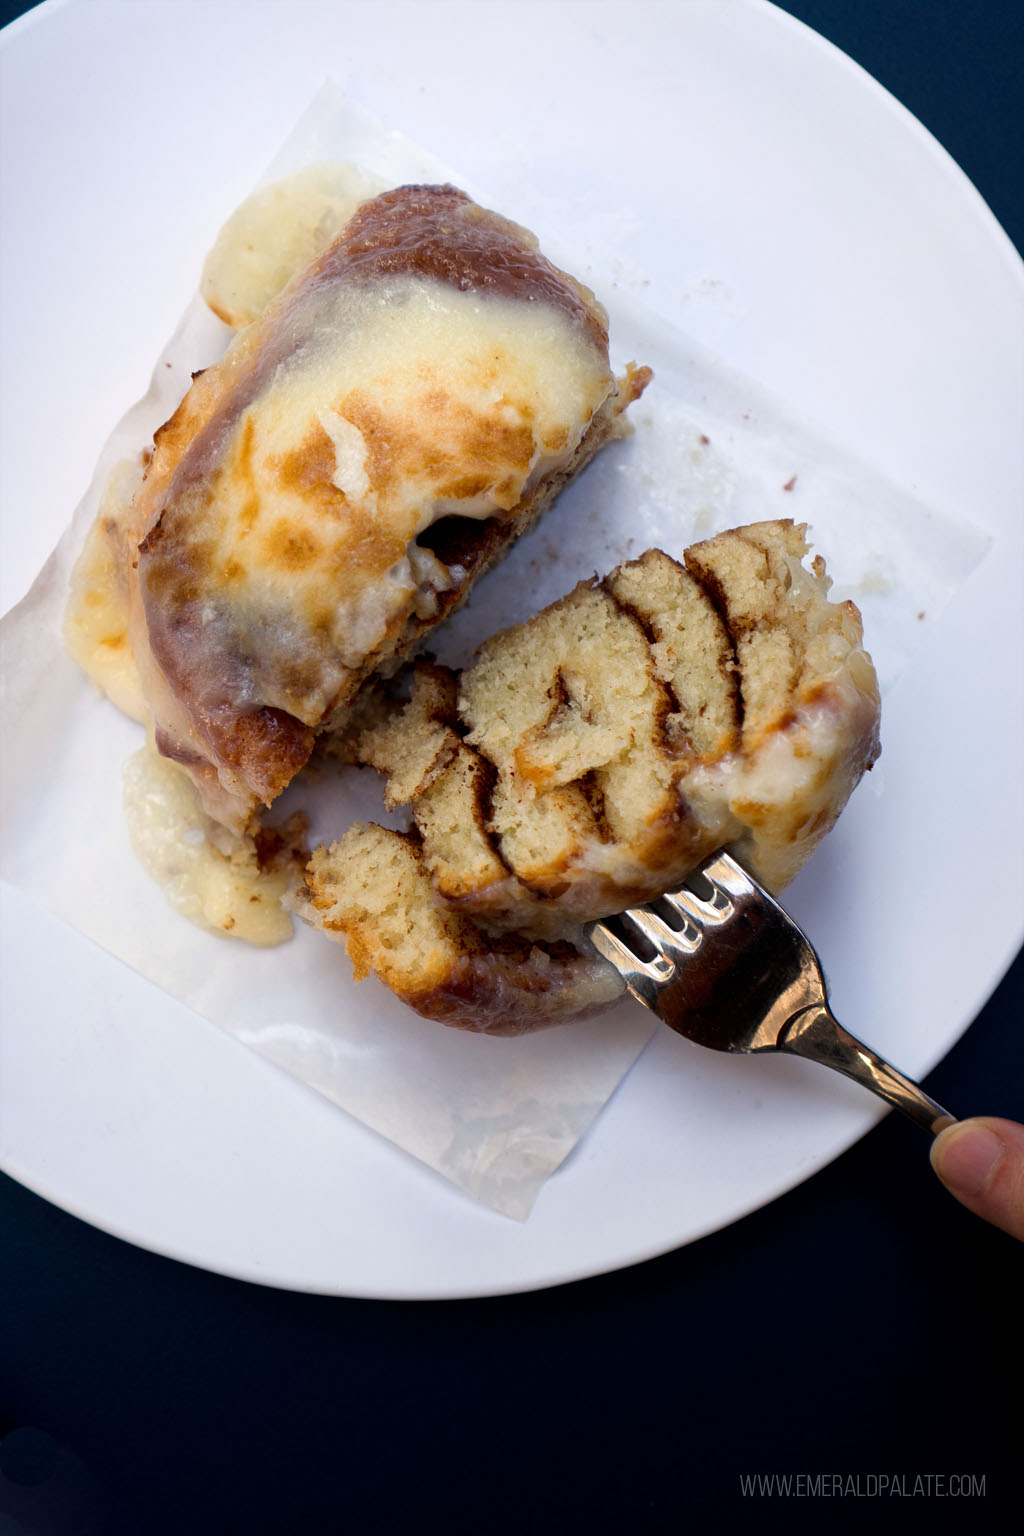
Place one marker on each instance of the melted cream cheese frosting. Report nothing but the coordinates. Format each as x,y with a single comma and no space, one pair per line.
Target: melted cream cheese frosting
429,364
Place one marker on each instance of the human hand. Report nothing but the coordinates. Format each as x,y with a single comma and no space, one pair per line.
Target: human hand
981,1162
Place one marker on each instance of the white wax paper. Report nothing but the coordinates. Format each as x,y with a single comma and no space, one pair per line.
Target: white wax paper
711,450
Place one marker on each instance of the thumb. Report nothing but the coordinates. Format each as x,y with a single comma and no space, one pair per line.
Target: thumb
981,1162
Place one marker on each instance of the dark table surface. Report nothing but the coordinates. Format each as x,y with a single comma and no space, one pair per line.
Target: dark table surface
862,1328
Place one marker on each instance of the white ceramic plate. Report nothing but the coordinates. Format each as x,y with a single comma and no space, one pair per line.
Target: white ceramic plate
791,215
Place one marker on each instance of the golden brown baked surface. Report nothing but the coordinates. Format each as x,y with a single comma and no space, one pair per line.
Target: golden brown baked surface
369,445
593,755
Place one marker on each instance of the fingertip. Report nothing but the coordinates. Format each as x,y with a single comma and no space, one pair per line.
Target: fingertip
966,1157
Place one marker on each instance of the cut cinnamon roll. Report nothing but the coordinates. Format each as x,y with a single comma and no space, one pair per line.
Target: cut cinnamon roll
589,759
374,440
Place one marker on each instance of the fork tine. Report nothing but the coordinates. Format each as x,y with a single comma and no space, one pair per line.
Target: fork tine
657,932
727,879
696,911
659,970
724,874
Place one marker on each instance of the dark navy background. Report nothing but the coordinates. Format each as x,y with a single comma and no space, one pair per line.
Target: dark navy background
862,1324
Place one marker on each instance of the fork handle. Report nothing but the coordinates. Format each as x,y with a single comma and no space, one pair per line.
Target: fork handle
815,1034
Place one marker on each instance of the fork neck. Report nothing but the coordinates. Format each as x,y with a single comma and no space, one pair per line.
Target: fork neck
817,1035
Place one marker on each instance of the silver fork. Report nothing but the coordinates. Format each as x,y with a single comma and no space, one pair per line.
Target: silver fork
734,972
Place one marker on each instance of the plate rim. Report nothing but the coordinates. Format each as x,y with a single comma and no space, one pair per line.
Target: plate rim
985,986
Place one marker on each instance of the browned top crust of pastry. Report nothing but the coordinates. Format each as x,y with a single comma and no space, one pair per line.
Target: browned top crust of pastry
440,233
430,367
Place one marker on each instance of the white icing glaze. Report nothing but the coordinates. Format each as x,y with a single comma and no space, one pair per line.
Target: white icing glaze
276,232
97,615
400,403
208,876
